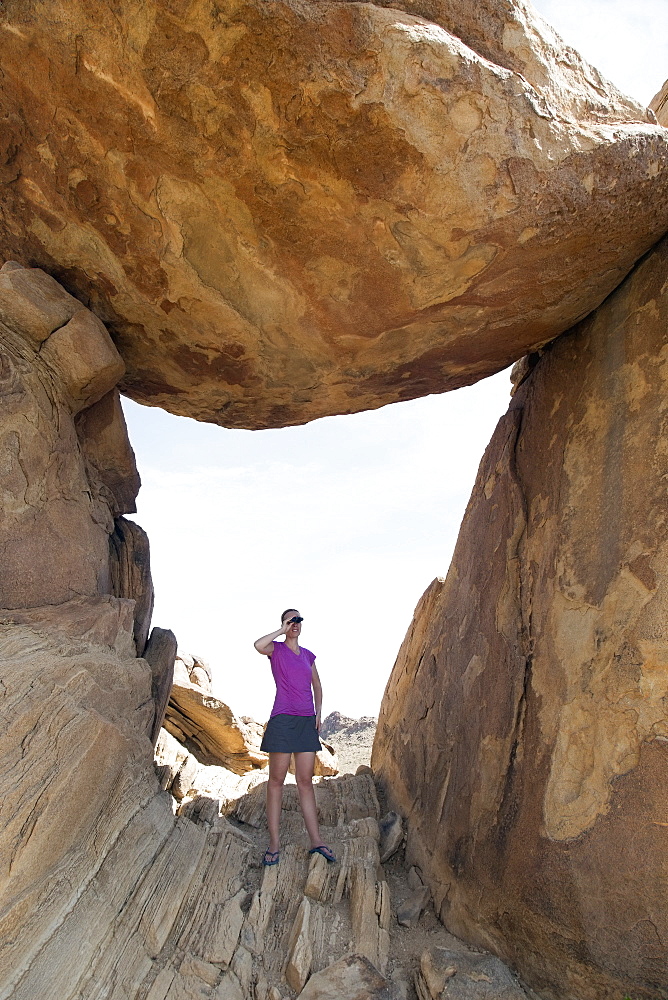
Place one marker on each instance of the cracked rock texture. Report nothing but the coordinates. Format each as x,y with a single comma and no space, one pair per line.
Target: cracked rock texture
286,209
524,728
105,894
659,105
210,730
67,466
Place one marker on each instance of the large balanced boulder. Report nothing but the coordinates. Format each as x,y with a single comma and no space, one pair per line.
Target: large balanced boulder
524,729
285,209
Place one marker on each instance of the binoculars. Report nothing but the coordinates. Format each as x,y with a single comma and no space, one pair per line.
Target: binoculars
295,620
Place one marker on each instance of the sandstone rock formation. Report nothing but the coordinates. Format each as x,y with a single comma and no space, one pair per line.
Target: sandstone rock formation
209,728
659,105
524,728
160,653
104,893
287,209
351,739
57,360
189,781
130,570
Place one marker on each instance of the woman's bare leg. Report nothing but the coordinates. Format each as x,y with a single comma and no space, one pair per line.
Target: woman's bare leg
278,768
304,765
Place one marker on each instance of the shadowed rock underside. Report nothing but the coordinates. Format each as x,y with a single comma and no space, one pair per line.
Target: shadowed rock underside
283,210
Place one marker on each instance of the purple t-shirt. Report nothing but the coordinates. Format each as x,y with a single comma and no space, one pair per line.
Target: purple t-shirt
292,674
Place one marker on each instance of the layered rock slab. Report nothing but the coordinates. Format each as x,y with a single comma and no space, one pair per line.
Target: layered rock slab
208,727
524,728
68,470
284,210
58,369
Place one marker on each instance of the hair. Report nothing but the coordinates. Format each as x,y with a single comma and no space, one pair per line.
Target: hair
287,612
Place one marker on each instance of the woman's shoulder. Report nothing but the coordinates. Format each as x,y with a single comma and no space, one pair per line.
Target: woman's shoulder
309,655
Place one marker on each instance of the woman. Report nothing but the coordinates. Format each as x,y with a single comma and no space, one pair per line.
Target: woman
292,729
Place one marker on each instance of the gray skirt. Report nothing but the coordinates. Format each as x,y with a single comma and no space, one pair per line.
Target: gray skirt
291,734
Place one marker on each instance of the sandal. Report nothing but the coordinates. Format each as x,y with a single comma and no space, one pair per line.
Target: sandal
327,854
270,858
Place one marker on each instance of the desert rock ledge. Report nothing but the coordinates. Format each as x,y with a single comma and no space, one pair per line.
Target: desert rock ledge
283,210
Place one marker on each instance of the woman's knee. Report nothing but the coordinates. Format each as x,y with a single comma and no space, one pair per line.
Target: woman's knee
304,781
276,780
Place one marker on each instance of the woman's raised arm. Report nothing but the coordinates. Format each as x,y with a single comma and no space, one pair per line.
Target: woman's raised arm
265,645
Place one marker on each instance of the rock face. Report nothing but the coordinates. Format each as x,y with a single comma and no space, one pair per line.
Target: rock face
524,726
76,712
61,432
191,782
659,105
106,895
130,569
286,209
160,653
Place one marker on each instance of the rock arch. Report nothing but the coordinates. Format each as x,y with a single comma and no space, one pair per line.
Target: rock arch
258,214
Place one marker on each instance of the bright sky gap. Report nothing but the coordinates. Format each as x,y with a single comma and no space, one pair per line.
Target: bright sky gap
347,518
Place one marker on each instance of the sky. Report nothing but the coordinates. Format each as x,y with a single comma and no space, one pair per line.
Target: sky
347,518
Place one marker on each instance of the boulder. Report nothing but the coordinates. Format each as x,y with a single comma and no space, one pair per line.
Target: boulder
412,908
159,653
523,728
58,501
351,978
391,835
194,671
210,730
326,763
456,975
110,460
283,210
130,570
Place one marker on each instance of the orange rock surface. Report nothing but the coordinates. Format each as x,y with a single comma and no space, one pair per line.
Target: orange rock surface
288,209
